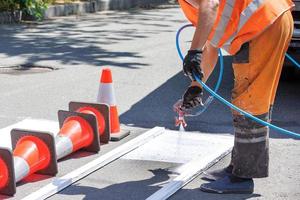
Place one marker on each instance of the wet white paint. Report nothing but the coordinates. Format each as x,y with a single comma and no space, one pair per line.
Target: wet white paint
181,128
182,147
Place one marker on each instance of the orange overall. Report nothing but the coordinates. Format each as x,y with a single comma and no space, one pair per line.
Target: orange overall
257,34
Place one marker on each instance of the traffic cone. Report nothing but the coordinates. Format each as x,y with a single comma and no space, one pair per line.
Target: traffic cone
7,175
106,95
33,152
37,152
100,111
3,173
77,131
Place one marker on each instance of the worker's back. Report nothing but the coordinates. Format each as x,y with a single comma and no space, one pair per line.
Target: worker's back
239,21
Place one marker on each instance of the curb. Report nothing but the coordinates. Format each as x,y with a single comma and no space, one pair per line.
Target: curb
9,18
97,5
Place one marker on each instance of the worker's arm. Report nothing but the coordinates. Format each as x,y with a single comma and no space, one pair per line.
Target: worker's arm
207,14
202,57
209,60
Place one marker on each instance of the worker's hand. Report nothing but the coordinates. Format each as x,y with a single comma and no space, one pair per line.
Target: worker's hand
191,64
192,97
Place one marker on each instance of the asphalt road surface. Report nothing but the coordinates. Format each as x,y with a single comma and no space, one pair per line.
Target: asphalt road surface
139,47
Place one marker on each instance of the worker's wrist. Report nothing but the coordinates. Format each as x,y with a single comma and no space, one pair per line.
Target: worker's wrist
195,83
194,51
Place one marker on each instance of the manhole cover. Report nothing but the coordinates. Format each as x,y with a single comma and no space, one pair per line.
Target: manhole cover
23,70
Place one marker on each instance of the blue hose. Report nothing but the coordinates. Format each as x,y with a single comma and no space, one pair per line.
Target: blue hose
224,101
292,60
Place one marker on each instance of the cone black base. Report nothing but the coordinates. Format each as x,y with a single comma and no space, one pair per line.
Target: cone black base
10,188
119,136
103,109
47,138
91,119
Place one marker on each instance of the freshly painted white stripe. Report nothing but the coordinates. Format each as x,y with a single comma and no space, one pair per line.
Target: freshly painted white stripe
106,94
192,170
60,183
180,147
21,168
223,23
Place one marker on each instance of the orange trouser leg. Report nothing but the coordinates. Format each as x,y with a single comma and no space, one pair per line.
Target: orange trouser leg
256,82
257,68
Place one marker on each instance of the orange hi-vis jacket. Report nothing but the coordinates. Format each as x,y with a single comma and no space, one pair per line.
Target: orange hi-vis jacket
238,21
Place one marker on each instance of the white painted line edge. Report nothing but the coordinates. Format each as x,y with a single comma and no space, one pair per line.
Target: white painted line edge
59,184
193,169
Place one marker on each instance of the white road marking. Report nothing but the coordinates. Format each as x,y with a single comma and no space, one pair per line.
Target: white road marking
211,154
181,147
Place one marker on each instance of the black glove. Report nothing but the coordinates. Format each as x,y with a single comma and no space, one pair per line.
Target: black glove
191,64
192,97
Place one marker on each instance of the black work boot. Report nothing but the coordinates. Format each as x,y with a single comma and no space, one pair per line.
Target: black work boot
217,174
229,185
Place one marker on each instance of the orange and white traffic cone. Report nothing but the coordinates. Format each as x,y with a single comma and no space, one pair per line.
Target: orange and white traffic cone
100,111
83,127
106,95
33,152
7,175
77,131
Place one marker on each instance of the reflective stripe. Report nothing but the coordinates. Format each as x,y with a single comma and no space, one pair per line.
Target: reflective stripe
64,146
244,17
250,140
226,47
225,18
248,12
253,131
106,94
22,168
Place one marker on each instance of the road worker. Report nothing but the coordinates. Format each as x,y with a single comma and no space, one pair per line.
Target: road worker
257,34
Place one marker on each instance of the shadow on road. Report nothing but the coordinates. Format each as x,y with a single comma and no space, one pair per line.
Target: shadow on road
156,108
192,193
127,190
84,39
136,190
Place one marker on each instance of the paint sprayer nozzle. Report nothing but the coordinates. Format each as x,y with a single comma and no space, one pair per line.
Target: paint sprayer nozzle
179,120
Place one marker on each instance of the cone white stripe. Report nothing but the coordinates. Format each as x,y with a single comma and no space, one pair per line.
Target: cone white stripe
64,146
22,168
106,94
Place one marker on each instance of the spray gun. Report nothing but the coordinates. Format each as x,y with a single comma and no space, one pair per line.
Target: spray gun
181,112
